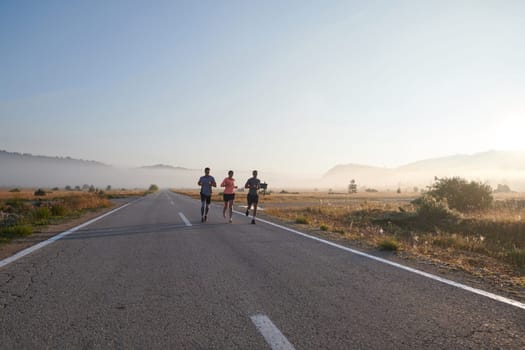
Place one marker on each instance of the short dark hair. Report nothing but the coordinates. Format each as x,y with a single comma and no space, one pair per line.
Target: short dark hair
206,169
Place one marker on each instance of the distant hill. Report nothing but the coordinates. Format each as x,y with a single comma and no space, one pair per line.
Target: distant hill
9,157
491,161
493,167
27,170
165,167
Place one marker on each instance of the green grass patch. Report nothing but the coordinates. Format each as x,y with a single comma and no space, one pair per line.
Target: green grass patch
301,220
517,257
389,244
42,214
18,230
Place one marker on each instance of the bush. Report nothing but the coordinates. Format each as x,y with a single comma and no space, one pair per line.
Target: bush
460,194
323,228
153,188
432,210
40,192
15,190
19,230
517,257
58,210
388,244
301,220
42,213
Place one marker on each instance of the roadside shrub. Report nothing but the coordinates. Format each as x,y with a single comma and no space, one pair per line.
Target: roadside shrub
462,195
58,210
517,257
301,220
153,188
19,230
42,213
323,228
432,210
15,190
390,244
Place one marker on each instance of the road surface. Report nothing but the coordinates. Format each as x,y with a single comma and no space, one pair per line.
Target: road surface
152,276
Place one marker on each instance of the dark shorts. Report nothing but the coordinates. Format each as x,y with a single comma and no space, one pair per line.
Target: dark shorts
228,197
252,199
205,198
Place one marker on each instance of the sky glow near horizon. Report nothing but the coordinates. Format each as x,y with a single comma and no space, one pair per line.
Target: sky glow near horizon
281,86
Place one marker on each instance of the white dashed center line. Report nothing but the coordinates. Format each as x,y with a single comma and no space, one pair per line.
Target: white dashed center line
271,333
186,221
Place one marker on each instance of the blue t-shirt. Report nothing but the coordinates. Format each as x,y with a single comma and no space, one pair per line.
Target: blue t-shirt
206,181
254,184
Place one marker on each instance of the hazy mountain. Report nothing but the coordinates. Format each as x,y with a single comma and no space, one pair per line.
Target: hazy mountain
164,167
489,161
14,157
492,167
26,170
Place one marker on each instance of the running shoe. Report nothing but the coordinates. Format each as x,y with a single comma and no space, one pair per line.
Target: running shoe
247,212
253,221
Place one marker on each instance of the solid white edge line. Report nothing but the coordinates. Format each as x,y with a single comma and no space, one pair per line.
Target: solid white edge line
403,267
42,244
186,221
271,333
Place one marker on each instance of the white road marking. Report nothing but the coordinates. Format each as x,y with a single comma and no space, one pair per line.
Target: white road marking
271,333
57,237
186,221
403,267
258,207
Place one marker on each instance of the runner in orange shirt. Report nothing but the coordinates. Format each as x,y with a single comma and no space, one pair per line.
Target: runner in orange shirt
228,194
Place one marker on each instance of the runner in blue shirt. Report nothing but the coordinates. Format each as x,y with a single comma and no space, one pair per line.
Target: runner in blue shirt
206,182
253,184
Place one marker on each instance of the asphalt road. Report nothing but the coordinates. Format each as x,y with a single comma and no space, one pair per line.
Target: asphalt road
143,278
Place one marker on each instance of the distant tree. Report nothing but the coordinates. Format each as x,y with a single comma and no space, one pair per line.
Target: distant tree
85,187
108,188
92,189
68,188
398,190
40,192
153,188
77,188
371,190
56,188
352,187
415,189
502,189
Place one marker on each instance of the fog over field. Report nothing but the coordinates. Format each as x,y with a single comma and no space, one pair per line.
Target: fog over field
24,170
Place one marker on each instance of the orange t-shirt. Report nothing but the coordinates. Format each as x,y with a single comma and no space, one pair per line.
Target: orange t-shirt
229,185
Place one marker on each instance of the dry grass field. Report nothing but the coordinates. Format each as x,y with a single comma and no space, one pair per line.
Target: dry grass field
25,211
488,244
29,193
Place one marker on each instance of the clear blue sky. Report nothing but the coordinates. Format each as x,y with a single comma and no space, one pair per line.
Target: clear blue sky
290,86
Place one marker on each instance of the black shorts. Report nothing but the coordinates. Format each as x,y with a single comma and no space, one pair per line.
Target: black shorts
205,198
228,197
252,199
